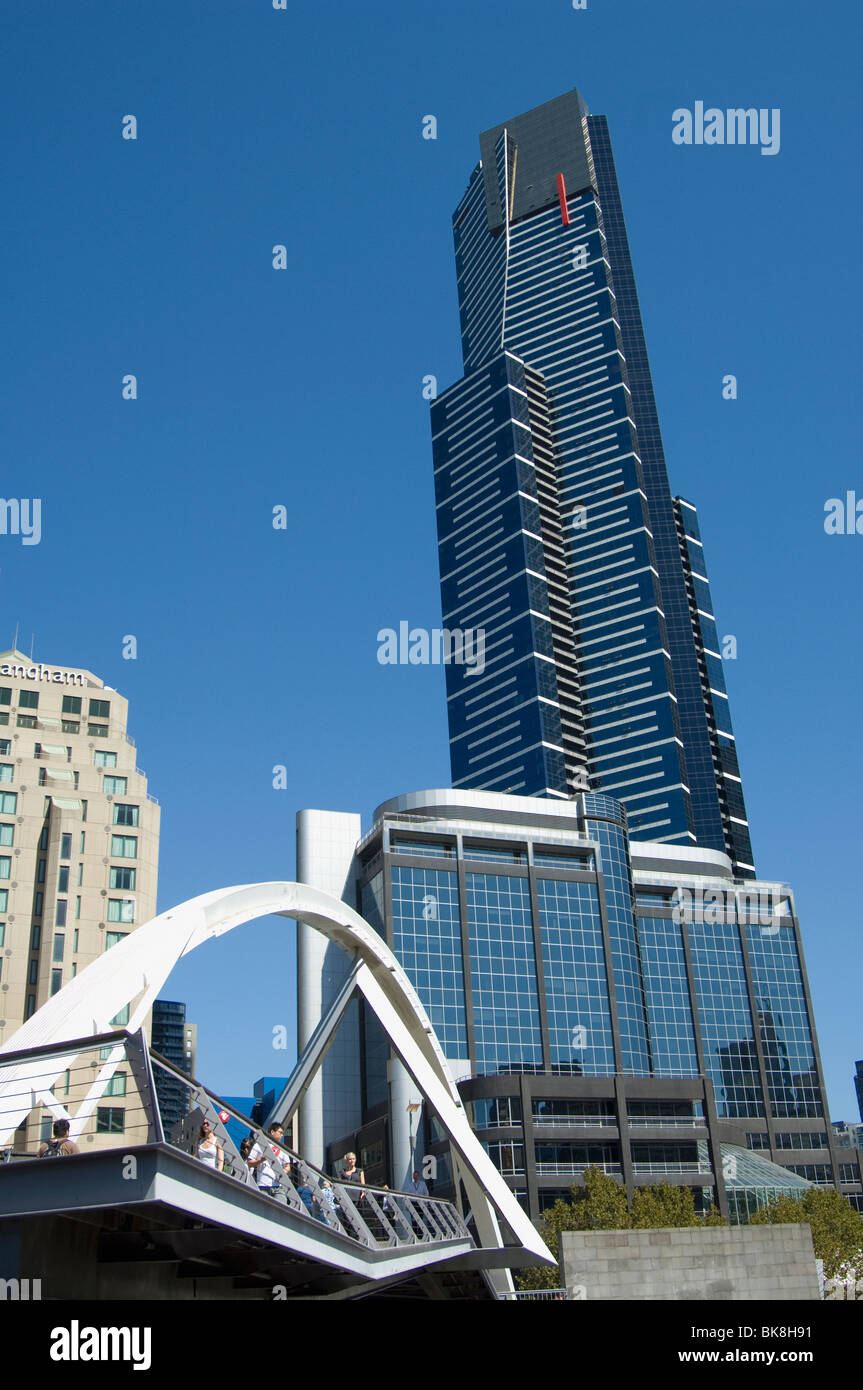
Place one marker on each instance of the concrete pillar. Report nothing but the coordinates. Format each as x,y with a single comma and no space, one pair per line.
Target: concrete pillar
326,841
407,1144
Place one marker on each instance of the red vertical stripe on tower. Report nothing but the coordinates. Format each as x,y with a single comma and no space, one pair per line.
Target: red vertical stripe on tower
561,193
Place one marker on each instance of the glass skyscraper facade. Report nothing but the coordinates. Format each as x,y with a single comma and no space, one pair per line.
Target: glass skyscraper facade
558,534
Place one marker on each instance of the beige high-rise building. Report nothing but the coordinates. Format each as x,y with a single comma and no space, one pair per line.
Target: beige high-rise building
79,845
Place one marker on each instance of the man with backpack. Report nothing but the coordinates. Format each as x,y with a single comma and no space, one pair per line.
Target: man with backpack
61,1145
269,1162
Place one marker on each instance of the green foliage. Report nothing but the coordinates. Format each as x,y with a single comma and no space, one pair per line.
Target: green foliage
713,1217
600,1205
837,1230
663,1205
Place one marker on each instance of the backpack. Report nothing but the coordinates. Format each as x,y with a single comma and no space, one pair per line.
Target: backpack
54,1149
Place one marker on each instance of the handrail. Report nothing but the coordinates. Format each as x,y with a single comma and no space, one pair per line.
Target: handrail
572,1121
661,1121
660,1168
374,1216
115,1036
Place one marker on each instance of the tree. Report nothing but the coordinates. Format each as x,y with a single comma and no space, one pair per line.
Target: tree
663,1205
837,1229
600,1205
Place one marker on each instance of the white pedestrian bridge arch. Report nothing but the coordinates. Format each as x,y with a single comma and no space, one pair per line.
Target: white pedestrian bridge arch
134,971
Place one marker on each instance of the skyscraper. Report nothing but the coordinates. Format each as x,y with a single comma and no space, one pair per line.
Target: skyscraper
558,534
79,850
177,1041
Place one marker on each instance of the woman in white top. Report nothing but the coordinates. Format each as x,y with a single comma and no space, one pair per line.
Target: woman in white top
210,1150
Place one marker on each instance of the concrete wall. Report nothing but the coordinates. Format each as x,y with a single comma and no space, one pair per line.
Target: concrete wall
718,1263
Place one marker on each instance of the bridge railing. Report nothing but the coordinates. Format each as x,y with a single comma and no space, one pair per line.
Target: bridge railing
117,1094
374,1216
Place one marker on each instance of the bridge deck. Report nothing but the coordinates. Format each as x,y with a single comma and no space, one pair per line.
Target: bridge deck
106,1223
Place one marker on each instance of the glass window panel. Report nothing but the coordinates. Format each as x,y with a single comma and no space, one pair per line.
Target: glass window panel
122,878
121,910
576,984
503,966
124,846
110,1119
786,1035
725,1017
427,941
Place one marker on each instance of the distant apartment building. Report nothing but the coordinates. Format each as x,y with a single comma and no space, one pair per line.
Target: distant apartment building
79,844
847,1136
847,1140
177,1041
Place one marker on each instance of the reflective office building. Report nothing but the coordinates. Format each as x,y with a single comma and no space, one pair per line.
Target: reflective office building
600,1001
559,538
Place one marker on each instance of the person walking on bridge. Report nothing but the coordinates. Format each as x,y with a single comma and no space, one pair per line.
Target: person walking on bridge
268,1166
61,1145
210,1151
347,1170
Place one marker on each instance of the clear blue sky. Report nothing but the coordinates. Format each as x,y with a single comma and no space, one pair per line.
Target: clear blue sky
303,388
